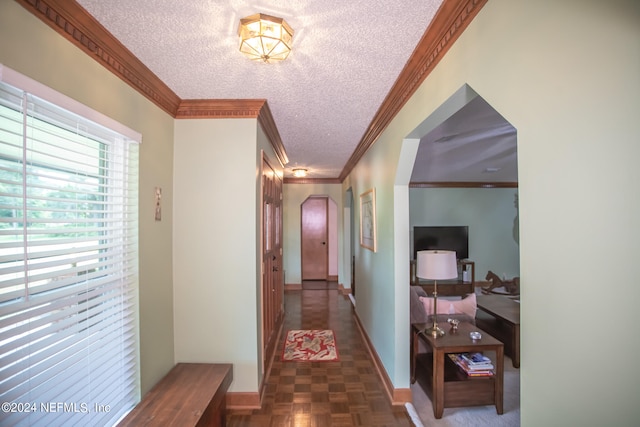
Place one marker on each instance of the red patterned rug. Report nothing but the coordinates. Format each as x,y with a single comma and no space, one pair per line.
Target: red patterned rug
317,345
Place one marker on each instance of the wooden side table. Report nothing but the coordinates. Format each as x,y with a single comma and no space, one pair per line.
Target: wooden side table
446,384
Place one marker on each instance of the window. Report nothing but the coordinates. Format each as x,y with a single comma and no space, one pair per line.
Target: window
68,263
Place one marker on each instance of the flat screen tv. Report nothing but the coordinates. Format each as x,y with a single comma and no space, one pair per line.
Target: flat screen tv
451,238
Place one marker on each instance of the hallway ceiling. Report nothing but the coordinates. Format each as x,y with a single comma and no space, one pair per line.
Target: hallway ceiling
346,58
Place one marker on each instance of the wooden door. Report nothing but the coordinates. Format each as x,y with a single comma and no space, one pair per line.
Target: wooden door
272,278
314,234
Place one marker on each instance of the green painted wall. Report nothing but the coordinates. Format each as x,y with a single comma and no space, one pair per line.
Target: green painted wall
378,299
217,245
294,195
30,47
565,75
488,212
215,296
171,294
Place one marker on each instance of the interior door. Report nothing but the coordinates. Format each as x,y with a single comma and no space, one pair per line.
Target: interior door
314,235
272,279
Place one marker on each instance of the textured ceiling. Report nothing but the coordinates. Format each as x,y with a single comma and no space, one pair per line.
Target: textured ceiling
346,57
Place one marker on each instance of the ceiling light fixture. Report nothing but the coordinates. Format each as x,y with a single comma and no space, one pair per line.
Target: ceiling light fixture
265,37
299,172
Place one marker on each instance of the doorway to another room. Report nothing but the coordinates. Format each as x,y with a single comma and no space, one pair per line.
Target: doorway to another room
319,240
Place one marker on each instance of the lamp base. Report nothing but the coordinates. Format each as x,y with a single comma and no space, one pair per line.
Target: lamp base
434,331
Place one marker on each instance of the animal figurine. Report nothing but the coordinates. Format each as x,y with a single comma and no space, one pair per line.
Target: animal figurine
512,287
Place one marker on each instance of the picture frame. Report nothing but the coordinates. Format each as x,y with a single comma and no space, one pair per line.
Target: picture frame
368,220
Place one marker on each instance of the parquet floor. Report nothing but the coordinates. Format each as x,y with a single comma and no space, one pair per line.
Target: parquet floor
321,394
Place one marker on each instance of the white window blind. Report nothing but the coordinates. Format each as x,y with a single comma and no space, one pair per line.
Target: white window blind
68,266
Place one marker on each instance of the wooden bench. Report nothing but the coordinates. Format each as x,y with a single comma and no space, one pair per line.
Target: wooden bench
191,394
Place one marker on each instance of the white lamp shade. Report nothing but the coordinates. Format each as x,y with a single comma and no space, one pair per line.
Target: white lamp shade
437,265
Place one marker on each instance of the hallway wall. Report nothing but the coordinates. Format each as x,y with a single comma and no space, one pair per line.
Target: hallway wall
565,75
294,195
30,47
488,212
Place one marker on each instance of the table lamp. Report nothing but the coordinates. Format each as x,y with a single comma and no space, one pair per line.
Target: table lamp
436,265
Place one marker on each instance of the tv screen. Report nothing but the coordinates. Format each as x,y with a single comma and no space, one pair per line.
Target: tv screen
454,238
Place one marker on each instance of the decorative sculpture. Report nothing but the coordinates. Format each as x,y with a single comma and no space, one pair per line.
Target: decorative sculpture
512,287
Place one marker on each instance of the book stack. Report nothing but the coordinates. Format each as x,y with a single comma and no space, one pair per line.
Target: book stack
473,364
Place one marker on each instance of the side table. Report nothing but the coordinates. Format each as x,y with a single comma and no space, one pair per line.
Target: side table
447,385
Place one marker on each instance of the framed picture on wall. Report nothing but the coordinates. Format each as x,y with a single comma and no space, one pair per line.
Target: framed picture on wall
368,220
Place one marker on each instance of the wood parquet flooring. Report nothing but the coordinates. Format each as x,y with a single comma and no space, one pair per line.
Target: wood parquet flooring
321,394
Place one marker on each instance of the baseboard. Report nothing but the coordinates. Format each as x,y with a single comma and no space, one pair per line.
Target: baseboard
298,287
253,400
397,396
401,396
343,290
243,401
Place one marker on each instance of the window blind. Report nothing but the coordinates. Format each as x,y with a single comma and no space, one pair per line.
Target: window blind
68,266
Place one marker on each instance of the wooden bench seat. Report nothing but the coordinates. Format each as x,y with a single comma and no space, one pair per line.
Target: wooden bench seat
191,394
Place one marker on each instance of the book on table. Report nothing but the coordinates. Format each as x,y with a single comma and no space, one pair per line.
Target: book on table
473,364
476,358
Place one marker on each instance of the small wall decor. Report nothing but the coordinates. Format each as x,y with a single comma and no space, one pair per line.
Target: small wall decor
158,193
368,220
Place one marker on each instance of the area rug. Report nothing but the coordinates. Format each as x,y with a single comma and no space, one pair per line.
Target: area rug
315,345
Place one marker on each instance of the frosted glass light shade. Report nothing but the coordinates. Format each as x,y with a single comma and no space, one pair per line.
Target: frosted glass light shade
299,172
265,37
437,265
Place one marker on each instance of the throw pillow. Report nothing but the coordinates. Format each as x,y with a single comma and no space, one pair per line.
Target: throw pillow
468,305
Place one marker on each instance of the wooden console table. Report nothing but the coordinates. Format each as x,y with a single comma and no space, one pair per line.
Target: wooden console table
445,383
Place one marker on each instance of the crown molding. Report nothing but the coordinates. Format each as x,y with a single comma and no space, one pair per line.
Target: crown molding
74,23
265,118
463,184
219,108
450,21
312,181
236,109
